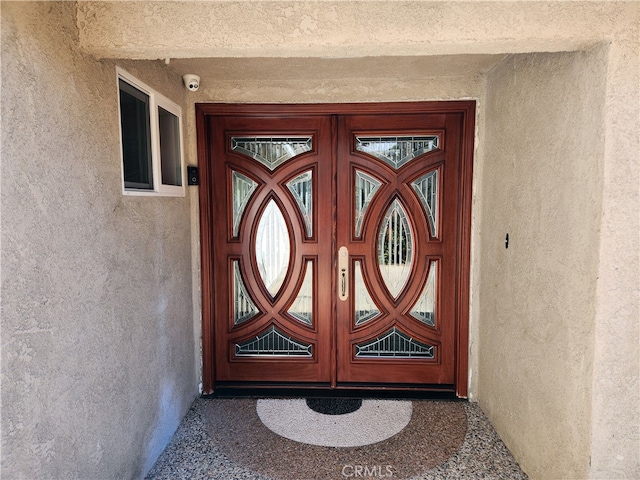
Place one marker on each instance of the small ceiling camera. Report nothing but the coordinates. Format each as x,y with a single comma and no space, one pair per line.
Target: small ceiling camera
192,82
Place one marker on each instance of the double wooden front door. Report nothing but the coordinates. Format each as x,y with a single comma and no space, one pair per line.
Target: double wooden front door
335,249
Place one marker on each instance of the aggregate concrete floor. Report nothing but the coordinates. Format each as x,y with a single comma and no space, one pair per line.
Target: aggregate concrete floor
226,439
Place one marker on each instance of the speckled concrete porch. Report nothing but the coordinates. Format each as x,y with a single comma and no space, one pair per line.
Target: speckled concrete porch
225,439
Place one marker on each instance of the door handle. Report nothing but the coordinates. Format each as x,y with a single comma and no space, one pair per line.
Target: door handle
343,273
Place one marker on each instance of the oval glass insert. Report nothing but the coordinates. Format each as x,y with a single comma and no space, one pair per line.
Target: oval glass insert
273,246
395,248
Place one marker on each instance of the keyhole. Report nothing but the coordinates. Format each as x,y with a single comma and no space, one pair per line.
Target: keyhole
506,241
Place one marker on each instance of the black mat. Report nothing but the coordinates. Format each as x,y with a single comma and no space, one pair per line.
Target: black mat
334,406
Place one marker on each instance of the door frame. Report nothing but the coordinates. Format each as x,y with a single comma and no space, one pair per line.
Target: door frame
466,108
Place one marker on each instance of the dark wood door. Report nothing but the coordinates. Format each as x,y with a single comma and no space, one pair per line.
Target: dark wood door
335,244
398,185
272,248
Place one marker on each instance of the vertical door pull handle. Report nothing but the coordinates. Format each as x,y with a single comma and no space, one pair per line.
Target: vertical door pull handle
343,269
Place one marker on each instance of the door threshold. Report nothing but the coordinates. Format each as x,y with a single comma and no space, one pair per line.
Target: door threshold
438,392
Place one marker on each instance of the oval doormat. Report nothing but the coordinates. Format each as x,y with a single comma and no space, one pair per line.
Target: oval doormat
435,432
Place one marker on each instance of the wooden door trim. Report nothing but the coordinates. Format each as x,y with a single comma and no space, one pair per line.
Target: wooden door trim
295,109
206,249
204,114
464,250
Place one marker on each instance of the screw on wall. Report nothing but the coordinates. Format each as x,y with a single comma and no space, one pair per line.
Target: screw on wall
506,241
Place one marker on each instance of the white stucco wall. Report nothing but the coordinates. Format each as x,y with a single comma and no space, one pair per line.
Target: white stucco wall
615,434
541,184
97,334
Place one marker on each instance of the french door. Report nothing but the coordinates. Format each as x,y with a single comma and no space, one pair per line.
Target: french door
335,244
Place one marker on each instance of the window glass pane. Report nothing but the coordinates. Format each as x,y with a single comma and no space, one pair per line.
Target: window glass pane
273,343
427,189
302,307
136,137
425,308
170,164
302,189
395,248
364,307
243,307
242,189
273,246
396,151
271,152
396,344
366,188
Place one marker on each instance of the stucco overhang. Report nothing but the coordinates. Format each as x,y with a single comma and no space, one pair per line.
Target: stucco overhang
152,30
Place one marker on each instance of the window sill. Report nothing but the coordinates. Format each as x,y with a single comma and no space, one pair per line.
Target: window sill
173,192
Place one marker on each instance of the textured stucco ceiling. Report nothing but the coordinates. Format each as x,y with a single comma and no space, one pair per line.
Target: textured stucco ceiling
213,70
338,29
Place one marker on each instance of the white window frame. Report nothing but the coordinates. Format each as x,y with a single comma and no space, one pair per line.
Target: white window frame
155,100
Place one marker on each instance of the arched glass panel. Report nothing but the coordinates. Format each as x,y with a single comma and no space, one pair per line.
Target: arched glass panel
242,189
302,189
395,248
243,307
425,308
273,343
427,189
273,246
394,343
397,151
302,307
365,309
366,188
271,151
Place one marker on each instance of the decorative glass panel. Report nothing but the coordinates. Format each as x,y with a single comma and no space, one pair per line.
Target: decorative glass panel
366,188
396,344
396,151
271,151
272,248
302,307
425,308
273,343
365,309
427,189
242,188
395,248
302,189
243,307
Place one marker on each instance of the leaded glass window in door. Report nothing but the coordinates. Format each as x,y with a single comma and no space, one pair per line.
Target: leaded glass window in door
302,307
426,187
366,187
397,151
272,248
396,344
365,309
243,307
242,189
395,248
271,151
273,343
425,308
301,187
